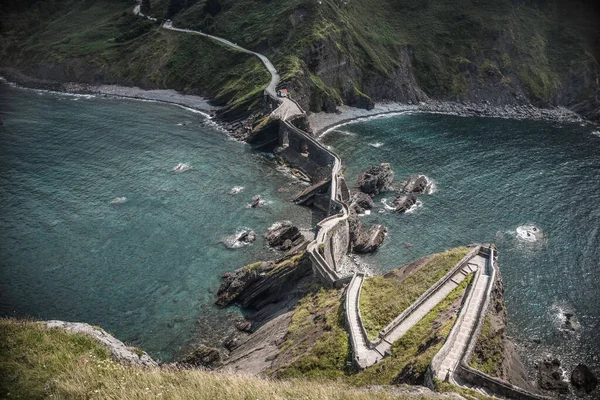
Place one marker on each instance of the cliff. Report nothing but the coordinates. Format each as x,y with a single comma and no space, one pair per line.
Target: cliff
329,52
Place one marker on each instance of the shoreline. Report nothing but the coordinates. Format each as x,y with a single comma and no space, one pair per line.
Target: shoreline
195,103
322,123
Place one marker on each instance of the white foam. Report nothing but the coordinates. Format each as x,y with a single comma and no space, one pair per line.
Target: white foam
236,189
412,208
596,133
529,233
376,144
182,167
362,119
386,205
118,200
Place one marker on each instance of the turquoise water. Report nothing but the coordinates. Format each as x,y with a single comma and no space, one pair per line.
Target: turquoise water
492,176
146,269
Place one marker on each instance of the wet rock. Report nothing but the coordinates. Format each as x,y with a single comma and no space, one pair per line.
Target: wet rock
404,202
550,376
257,202
571,323
204,356
376,179
243,325
283,236
416,184
240,239
360,202
370,239
231,342
583,378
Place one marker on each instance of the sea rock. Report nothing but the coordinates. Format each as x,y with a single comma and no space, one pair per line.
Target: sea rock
257,202
376,179
360,202
571,323
404,202
283,235
258,284
550,376
204,356
415,184
243,325
231,342
583,378
370,239
240,239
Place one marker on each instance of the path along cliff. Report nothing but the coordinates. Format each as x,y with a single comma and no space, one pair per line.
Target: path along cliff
451,361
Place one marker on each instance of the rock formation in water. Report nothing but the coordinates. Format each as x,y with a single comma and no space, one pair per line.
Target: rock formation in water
403,202
418,184
257,202
204,356
376,179
361,202
582,378
283,236
369,240
550,376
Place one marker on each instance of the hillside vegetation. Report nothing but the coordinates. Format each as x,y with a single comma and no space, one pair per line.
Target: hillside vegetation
329,52
37,362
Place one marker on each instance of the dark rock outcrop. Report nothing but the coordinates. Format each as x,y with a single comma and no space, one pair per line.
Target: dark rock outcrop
376,179
257,202
415,184
283,236
204,356
261,283
404,202
360,202
550,376
571,323
240,239
369,240
582,378
243,325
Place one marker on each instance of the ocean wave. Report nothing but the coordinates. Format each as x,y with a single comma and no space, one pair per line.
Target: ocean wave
376,144
529,233
236,189
363,119
182,167
118,200
242,237
596,133
386,205
414,207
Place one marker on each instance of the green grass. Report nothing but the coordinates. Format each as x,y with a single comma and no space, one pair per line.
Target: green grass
489,351
32,355
37,362
383,299
469,394
412,354
316,343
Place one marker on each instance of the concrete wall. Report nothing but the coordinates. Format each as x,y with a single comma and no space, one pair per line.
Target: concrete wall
337,240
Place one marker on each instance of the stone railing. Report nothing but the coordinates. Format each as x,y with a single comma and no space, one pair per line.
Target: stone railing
463,370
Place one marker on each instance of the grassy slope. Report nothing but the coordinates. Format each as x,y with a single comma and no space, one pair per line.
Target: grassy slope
104,42
489,351
36,362
382,299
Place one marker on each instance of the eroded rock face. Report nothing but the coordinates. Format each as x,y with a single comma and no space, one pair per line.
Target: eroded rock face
416,184
370,239
376,179
403,202
550,376
258,284
582,378
283,236
360,202
204,356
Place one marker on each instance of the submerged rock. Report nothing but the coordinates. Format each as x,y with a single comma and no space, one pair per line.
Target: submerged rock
416,184
204,356
370,239
583,378
241,238
257,202
283,236
376,179
404,202
550,376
